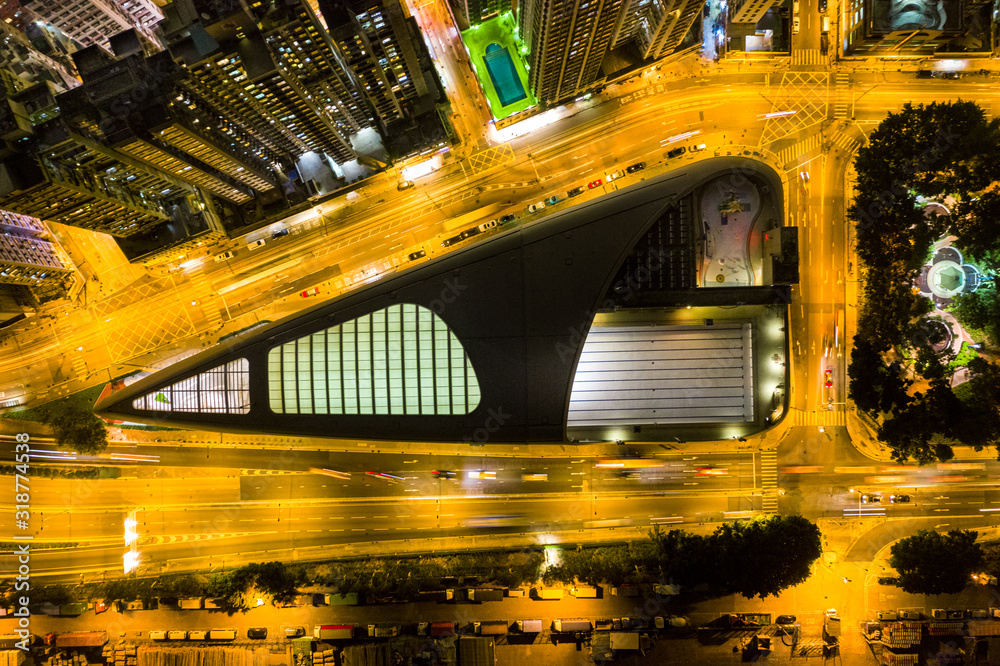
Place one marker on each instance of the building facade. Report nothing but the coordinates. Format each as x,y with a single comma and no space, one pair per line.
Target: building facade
656,27
95,21
30,258
474,12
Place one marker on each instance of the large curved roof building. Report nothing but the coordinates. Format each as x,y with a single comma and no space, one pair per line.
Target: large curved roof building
612,319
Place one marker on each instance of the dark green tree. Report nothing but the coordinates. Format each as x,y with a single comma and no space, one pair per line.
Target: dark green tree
932,563
765,556
875,387
76,428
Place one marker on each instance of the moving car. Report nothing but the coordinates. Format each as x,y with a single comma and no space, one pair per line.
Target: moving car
638,166
311,291
676,152
510,217
279,233
614,174
534,477
871,498
257,632
419,254
256,244
711,471
795,25
576,191
899,499
824,24
482,474
444,474
535,207
595,183
225,255
828,377
822,6
795,6
698,148
404,185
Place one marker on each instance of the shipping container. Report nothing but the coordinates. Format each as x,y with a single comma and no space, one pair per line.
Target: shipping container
194,635
485,594
194,603
81,639
222,635
333,631
443,629
177,635
157,635
349,599
529,626
570,625
490,627
547,593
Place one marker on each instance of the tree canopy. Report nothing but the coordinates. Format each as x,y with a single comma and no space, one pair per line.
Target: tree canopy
933,563
77,428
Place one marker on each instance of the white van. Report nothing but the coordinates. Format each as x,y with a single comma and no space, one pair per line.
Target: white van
195,635
177,635
157,635
825,23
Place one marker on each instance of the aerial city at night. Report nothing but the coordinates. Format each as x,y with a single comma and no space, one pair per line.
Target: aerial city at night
499,333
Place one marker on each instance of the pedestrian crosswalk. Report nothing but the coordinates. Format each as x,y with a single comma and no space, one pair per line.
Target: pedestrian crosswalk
822,417
79,365
842,99
769,481
205,297
794,152
846,142
808,57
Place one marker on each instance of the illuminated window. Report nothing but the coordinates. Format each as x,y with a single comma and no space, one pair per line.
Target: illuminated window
400,360
221,390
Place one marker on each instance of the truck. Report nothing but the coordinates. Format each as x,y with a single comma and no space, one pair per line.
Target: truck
80,639
195,603
383,630
490,628
222,635
73,609
584,592
529,626
333,632
485,594
549,593
570,626
349,599
177,635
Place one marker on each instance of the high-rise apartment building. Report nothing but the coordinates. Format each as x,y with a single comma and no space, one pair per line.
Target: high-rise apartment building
567,40
95,21
657,27
29,258
474,12
234,69
379,41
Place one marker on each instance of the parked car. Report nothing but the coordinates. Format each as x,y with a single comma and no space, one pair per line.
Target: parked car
699,147
223,256
486,226
257,632
795,25
576,191
614,174
871,498
638,166
553,200
795,6
953,75
886,615
828,377
595,183
311,291
279,233
824,24
926,74
899,499
293,632
510,217
447,242
260,242
908,614
469,233
822,6
419,254
404,185
535,207
676,152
